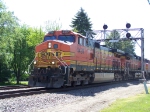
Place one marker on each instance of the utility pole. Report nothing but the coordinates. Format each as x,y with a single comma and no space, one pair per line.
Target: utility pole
148,1
142,60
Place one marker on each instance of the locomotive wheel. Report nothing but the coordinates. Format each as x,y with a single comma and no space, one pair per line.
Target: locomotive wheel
73,83
82,83
120,79
91,80
126,77
34,83
64,86
116,77
133,76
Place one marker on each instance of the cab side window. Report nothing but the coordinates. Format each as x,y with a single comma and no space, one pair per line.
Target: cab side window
80,40
84,42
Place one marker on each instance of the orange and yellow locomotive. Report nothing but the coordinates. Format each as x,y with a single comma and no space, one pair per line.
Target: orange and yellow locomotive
66,58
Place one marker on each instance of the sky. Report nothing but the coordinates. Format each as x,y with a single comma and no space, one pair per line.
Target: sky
114,13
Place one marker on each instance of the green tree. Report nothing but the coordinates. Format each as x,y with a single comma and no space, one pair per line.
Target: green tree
8,22
81,22
127,46
25,40
19,53
17,44
35,38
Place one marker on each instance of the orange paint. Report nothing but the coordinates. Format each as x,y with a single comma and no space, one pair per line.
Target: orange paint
81,53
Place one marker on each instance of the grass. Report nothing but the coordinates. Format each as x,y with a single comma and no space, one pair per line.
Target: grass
14,83
139,103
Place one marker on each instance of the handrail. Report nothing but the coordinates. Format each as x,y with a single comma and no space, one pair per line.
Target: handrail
63,62
31,63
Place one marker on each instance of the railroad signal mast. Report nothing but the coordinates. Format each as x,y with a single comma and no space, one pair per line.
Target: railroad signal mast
148,1
133,34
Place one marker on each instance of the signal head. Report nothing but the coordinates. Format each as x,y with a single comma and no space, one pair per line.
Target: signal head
128,35
128,25
105,26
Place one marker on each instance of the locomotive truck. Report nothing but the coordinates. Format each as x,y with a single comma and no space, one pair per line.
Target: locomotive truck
67,58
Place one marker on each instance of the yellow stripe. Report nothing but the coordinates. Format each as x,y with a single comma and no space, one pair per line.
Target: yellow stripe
67,54
62,53
74,62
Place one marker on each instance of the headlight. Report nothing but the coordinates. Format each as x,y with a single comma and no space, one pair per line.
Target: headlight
53,62
49,45
34,62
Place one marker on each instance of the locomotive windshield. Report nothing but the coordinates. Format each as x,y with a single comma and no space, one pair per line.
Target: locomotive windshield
49,38
65,38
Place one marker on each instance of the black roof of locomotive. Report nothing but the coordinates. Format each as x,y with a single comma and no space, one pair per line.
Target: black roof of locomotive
117,51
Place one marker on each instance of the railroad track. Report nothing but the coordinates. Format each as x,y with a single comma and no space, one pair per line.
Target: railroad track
31,91
13,87
21,92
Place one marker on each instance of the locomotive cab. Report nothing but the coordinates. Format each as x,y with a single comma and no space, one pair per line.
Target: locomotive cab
52,59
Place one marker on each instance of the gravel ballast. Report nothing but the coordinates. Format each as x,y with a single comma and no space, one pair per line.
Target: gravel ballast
83,100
